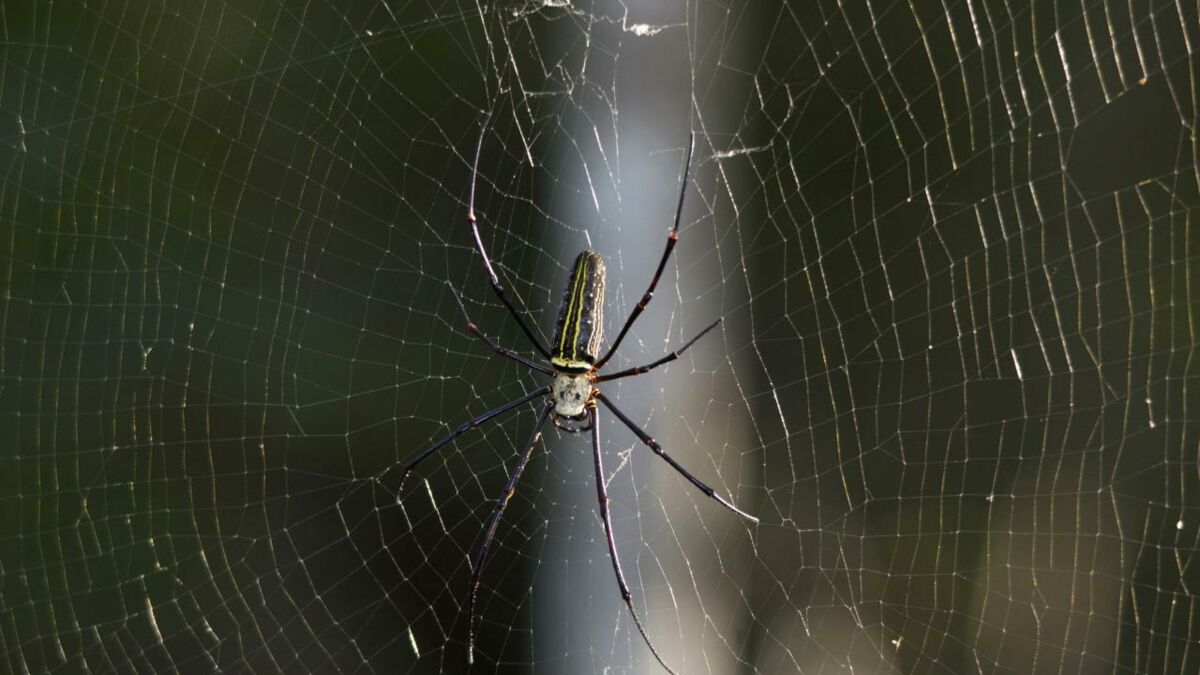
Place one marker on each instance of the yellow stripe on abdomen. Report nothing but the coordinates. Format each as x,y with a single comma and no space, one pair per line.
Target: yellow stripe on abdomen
578,335
574,311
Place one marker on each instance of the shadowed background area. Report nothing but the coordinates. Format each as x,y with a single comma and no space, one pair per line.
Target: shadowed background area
952,244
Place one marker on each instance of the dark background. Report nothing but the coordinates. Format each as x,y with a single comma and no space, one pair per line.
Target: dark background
952,244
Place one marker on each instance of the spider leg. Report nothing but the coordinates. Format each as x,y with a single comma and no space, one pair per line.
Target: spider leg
487,263
502,351
462,429
490,532
602,496
653,445
666,359
672,237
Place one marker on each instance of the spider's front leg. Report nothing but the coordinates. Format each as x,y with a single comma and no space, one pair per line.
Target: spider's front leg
459,431
490,531
658,450
602,496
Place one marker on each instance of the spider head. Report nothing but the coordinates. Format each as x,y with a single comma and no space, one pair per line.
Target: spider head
571,394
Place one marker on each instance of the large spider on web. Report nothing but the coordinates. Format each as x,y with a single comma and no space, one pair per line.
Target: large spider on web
570,398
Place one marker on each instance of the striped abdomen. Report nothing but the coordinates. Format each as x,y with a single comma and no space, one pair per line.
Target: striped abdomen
580,326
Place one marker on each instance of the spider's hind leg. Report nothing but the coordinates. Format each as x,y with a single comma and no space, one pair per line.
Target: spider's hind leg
493,279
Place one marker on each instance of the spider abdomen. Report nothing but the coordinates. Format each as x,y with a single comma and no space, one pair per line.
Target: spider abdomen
580,327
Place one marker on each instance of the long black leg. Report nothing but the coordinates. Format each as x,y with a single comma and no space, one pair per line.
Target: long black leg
490,532
666,359
653,445
502,351
462,429
487,263
672,237
602,496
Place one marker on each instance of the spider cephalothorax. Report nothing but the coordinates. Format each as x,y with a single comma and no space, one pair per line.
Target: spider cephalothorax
570,399
571,394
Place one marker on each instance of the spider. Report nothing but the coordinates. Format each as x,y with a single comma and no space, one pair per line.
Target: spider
570,398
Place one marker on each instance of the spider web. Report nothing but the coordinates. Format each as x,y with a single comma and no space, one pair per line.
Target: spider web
951,243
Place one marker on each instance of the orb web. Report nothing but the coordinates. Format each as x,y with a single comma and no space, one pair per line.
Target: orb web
951,244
